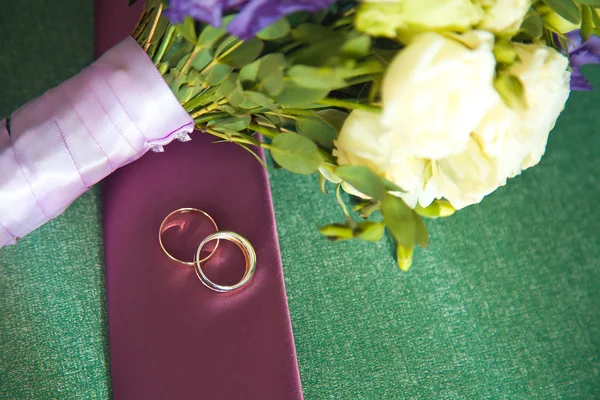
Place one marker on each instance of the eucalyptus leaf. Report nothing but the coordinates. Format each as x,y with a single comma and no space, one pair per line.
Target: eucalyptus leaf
244,54
261,99
400,220
532,26
313,33
235,123
295,153
334,118
294,96
511,91
363,179
357,47
202,59
186,93
228,85
270,73
277,30
187,29
316,78
249,72
217,74
566,9
317,130
225,45
210,36
318,53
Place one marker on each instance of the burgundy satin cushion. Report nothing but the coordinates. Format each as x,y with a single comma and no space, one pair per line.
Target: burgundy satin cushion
171,337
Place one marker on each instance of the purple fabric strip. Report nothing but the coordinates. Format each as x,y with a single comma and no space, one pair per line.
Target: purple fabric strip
171,337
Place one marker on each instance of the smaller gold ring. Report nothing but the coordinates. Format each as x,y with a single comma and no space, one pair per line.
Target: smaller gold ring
163,229
245,247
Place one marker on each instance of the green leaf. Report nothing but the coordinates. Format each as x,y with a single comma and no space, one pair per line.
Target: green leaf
296,153
505,52
511,91
270,73
335,232
227,86
217,74
566,9
593,3
187,29
532,25
363,179
357,47
596,17
294,96
421,234
316,129
400,221
312,33
333,118
437,209
587,22
404,257
244,54
225,45
370,231
249,72
186,93
236,97
316,78
261,100
232,123
202,59
209,36
392,187
318,53
275,31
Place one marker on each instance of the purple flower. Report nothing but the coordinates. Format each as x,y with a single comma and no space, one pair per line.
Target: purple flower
253,15
581,54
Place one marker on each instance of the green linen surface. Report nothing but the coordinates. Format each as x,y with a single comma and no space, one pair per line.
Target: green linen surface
504,304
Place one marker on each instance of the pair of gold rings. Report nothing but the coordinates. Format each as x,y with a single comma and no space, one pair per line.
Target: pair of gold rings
242,243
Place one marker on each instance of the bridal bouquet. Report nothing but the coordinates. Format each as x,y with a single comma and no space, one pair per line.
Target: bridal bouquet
415,108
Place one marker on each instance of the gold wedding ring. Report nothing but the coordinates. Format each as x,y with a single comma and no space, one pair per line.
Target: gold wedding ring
170,221
245,247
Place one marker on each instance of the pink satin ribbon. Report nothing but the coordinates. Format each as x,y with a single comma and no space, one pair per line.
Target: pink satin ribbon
71,137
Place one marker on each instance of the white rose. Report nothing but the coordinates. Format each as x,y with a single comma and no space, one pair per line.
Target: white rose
364,141
504,142
518,139
437,90
504,16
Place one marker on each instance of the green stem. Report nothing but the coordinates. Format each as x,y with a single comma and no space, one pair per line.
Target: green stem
166,41
209,117
263,131
349,105
230,50
189,61
231,138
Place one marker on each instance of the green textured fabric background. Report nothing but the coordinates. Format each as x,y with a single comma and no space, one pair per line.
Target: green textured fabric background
504,304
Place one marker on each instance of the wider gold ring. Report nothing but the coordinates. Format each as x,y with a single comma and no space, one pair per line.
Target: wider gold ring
245,247
165,225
